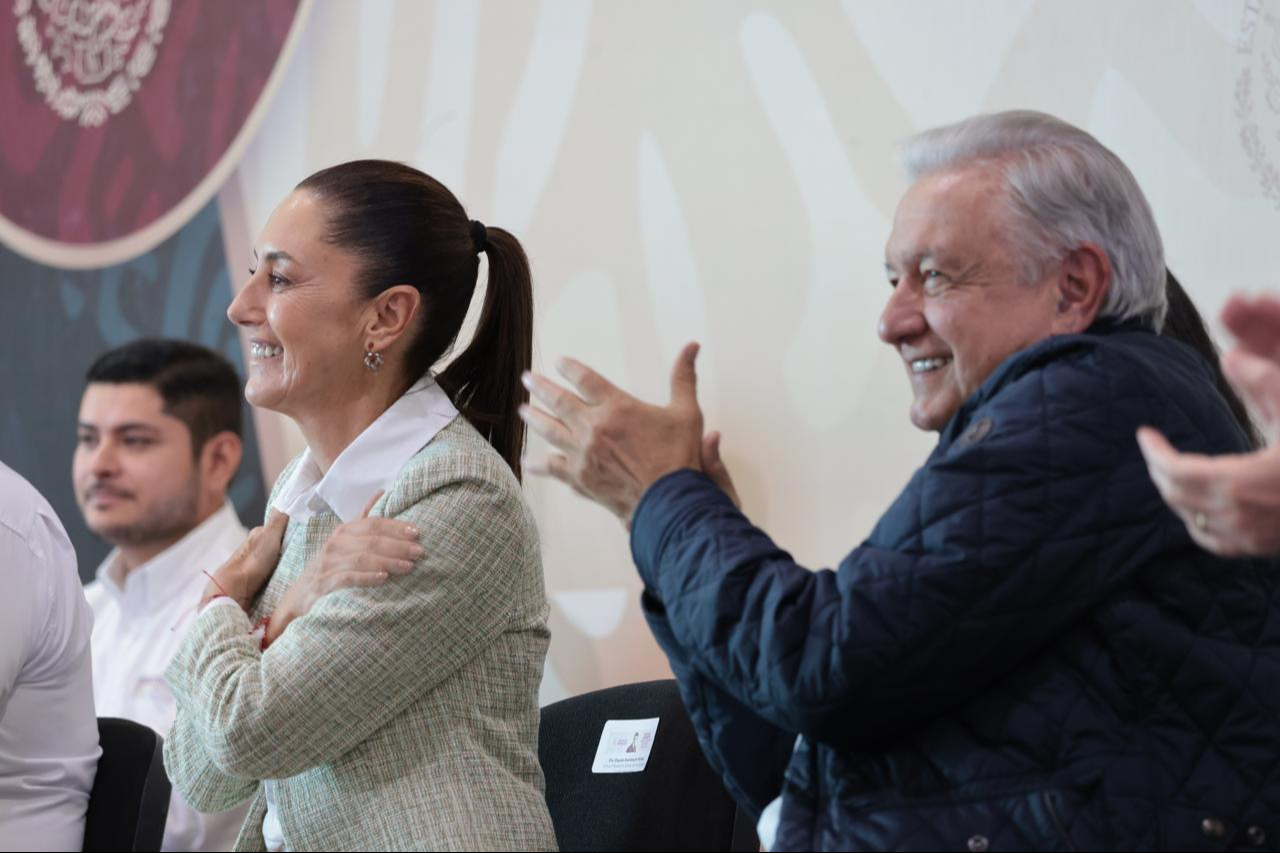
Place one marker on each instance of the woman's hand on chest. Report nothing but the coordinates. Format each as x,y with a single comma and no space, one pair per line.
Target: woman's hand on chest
247,571
363,552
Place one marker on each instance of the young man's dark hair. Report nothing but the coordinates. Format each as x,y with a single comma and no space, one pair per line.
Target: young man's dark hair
199,387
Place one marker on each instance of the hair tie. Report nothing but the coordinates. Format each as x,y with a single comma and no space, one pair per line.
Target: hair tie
479,235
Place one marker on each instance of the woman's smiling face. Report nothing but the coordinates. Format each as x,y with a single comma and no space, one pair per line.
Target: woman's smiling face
302,314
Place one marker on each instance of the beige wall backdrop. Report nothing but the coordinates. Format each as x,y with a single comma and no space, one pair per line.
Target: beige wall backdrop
725,171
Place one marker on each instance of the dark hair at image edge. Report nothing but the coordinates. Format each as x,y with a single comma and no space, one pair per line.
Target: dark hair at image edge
405,227
1184,323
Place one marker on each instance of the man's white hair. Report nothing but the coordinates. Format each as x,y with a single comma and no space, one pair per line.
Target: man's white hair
1064,188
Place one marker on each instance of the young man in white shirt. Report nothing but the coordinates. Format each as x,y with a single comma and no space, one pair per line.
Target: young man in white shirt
48,732
158,444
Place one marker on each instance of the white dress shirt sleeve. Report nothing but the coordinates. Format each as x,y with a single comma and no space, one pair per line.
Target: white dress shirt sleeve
21,608
48,729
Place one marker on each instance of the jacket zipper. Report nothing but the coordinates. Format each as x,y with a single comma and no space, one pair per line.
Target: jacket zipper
1057,821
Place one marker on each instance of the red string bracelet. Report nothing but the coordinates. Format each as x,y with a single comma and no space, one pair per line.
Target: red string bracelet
259,628
203,604
222,591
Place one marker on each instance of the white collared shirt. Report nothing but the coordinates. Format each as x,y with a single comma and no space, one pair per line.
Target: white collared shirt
367,466
138,625
48,730
371,462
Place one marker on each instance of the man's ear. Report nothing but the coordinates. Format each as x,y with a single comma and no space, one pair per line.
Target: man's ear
219,460
1082,288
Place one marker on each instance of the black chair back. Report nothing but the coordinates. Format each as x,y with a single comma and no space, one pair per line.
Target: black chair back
676,803
130,799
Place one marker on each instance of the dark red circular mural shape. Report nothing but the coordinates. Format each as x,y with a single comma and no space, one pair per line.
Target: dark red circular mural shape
116,113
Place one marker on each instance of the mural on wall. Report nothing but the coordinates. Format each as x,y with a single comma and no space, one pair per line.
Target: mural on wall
122,120
123,117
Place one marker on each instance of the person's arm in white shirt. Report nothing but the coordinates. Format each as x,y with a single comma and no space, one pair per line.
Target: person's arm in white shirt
48,730
21,601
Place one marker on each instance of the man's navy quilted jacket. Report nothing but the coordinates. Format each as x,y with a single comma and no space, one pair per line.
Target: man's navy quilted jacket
1029,652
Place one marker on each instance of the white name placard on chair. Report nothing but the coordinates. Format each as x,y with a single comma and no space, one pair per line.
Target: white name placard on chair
625,746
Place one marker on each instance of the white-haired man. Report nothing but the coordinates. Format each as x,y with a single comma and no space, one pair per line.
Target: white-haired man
1028,651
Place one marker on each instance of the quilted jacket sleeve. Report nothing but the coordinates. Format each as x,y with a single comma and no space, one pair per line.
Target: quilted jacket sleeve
748,752
1032,511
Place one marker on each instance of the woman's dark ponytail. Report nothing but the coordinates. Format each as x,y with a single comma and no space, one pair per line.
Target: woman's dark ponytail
1184,323
484,379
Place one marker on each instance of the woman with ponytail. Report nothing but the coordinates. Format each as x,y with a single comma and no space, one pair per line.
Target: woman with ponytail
366,667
